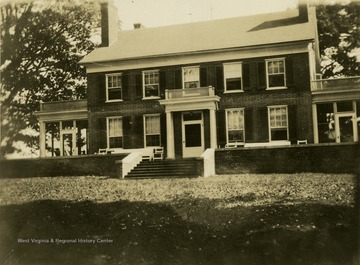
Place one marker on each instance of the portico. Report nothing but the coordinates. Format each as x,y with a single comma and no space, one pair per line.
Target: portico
190,118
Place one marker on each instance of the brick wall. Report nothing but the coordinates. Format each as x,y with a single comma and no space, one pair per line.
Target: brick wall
98,165
336,158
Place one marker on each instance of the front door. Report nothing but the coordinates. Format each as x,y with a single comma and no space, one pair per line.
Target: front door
346,129
192,134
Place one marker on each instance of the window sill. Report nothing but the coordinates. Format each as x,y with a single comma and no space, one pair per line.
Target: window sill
234,145
150,98
233,91
114,100
277,88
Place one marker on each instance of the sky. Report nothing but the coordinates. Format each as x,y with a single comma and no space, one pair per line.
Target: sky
155,13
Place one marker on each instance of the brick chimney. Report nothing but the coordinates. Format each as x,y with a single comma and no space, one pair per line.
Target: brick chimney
109,23
303,11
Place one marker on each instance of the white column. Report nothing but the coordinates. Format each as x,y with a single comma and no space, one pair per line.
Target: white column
42,136
315,124
213,135
170,135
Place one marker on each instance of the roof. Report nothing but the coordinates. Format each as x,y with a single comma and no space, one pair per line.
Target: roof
204,36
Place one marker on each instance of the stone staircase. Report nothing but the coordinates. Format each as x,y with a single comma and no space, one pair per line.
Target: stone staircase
167,169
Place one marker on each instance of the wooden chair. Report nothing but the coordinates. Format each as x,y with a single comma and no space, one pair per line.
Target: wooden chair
158,153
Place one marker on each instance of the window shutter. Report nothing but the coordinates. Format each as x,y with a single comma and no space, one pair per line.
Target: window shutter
263,125
138,86
289,72
163,129
292,121
246,76
178,79
221,128
101,88
138,131
127,131
203,77
102,135
219,79
249,137
162,83
125,86
261,72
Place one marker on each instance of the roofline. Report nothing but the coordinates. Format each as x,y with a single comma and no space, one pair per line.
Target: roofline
195,52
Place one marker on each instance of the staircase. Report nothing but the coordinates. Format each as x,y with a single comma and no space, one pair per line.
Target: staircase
185,168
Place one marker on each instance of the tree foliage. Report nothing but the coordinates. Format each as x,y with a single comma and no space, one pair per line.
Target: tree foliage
339,38
41,47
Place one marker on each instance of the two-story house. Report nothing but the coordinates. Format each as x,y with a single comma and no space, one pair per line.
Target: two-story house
233,82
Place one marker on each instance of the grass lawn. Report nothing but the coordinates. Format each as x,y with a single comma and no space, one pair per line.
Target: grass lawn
243,219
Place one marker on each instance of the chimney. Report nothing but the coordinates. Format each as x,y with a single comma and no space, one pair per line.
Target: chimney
303,11
139,26
109,23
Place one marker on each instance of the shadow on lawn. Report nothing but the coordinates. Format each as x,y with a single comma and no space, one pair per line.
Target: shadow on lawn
185,232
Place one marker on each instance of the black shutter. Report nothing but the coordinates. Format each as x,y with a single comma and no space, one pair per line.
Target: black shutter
261,75
138,85
203,77
246,76
263,125
125,86
178,79
138,131
289,72
219,80
221,128
162,76
163,129
249,137
292,123
127,131
101,88
102,134
170,79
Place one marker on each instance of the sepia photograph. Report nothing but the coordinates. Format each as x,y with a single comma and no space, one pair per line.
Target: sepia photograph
180,132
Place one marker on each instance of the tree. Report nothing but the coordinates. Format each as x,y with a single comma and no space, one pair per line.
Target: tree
339,38
40,51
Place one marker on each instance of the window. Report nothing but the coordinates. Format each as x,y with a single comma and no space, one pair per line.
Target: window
113,87
235,125
151,84
233,77
115,132
152,130
191,77
278,123
275,70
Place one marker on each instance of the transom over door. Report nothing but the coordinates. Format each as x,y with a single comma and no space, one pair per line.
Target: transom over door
192,134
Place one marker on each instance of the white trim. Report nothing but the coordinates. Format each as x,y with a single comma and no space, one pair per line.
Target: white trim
107,130
287,122
144,127
107,87
267,74
143,83
227,125
241,77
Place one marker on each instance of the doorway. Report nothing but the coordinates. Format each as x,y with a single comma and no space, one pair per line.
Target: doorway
192,134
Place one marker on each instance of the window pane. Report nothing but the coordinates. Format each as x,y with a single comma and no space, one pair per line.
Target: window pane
114,94
115,142
115,127
236,136
278,134
152,140
276,80
232,70
233,84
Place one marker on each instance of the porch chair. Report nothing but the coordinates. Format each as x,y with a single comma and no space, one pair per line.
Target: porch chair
158,153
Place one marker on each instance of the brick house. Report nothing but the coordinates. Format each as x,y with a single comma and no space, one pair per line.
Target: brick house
236,82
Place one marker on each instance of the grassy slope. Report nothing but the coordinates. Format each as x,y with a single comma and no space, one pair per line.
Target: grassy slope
246,219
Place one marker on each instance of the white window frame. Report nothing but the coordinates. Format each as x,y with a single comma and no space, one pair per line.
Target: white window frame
108,131
145,134
118,87
241,77
227,124
144,85
183,75
279,127
267,61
